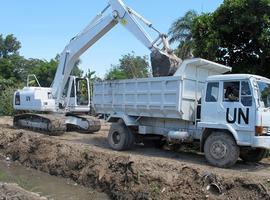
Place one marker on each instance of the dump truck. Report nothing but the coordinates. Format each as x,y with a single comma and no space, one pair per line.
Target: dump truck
227,114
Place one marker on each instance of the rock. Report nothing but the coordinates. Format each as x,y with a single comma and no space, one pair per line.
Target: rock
8,158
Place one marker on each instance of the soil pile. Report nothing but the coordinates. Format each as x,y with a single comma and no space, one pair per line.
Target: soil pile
123,175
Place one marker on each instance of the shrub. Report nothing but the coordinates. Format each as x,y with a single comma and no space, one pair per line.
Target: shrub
6,105
7,88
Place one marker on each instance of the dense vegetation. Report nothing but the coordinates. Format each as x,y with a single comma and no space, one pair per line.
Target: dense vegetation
236,34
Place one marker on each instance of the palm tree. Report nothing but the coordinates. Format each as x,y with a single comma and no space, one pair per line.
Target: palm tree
180,32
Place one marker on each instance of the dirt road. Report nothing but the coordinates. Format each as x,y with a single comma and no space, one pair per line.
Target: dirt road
142,173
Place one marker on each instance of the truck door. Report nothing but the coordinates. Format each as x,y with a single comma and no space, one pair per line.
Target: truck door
209,109
237,105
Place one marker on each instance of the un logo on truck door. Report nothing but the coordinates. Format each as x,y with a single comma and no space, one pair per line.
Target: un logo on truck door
238,115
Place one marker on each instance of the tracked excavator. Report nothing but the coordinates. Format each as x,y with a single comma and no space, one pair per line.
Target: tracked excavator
66,104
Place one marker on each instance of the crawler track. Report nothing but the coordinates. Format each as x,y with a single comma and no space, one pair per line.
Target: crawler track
49,124
94,124
56,124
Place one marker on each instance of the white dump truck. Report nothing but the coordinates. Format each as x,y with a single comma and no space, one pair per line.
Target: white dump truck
228,114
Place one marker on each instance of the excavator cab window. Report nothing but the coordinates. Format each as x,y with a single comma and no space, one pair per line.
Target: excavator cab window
82,92
72,92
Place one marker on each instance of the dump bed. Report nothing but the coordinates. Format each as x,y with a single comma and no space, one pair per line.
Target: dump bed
162,97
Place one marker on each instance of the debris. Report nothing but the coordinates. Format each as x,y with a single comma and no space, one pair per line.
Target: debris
163,190
101,174
8,158
214,189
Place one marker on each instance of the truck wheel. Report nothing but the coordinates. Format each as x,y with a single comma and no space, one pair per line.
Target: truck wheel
253,155
221,150
120,136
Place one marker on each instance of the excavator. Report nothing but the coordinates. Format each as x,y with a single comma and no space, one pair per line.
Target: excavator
66,104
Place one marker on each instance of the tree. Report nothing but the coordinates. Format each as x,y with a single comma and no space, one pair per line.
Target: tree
12,67
236,34
7,89
45,70
8,46
130,66
76,71
115,74
91,76
6,103
10,61
180,33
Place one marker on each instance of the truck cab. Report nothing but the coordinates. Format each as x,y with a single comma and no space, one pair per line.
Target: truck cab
237,105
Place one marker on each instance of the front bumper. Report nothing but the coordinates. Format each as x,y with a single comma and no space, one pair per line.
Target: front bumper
261,142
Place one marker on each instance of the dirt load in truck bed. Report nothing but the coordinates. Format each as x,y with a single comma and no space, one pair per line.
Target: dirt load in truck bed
142,173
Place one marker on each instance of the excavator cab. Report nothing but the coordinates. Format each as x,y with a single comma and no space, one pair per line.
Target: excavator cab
77,94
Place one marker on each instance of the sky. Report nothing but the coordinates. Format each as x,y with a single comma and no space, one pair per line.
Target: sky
44,27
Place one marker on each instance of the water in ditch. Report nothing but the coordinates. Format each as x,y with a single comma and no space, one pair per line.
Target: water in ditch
54,188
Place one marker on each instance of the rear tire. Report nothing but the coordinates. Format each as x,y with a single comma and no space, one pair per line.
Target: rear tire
120,137
253,155
221,150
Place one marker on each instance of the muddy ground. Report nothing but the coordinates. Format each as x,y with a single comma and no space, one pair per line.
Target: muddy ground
14,192
142,173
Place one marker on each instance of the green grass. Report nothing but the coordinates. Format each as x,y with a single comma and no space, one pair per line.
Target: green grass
3,176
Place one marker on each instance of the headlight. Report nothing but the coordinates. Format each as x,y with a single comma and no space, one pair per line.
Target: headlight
261,130
17,99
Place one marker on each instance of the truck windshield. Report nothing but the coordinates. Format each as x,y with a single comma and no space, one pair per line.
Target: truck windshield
264,93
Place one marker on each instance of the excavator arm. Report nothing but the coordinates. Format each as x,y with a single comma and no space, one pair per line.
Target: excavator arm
164,62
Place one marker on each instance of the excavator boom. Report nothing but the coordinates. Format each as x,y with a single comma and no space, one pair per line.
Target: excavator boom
164,62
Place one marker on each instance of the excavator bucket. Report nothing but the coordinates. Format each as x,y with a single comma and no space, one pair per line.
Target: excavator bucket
164,64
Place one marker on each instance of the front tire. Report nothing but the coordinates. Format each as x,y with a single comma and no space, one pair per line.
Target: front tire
221,150
120,137
253,155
